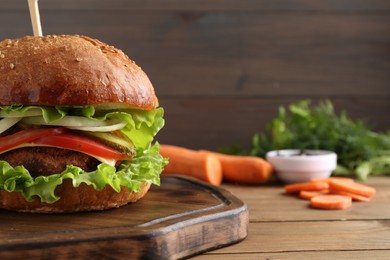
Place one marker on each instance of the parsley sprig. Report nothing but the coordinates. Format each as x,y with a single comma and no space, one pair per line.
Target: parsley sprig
361,151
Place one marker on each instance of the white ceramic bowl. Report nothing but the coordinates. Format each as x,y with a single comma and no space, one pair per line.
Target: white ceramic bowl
292,166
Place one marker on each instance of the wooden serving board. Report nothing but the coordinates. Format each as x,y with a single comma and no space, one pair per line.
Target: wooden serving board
180,218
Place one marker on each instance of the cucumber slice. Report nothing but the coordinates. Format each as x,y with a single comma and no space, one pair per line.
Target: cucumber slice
123,145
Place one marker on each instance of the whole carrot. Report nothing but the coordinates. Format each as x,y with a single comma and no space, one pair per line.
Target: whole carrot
243,169
183,161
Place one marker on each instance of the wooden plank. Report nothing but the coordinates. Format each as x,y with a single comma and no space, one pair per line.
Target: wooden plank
322,255
268,203
213,123
237,55
322,236
240,54
201,5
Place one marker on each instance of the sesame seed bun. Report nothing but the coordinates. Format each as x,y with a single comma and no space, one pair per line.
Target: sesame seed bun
69,70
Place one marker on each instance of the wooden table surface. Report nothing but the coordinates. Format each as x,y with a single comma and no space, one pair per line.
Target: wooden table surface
285,227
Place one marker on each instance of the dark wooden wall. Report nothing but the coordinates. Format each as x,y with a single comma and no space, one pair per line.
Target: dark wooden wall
221,68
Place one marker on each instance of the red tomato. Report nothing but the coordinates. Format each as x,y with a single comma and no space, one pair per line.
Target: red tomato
58,137
27,136
82,144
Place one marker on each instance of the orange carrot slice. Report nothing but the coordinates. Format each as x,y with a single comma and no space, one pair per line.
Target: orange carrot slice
307,195
307,186
183,161
243,169
346,179
356,188
330,201
355,197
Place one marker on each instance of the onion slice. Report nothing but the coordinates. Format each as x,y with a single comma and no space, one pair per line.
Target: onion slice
7,123
78,123
113,126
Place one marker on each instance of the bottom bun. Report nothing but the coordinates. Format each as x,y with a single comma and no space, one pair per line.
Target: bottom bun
82,198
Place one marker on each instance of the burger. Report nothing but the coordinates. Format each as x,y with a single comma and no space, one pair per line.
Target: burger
77,125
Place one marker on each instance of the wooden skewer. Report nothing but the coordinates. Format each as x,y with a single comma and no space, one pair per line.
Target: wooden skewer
35,19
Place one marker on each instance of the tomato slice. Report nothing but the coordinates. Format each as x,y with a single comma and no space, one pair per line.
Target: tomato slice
58,137
81,144
26,136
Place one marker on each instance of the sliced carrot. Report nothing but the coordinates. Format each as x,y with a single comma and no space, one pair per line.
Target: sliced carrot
346,179
356,188
330,201
307,195
307,186
355,197
243,169
183,161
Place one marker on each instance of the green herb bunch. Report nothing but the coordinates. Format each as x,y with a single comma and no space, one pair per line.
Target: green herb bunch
361,152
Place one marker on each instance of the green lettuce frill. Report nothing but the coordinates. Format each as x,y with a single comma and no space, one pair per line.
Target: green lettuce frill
146,166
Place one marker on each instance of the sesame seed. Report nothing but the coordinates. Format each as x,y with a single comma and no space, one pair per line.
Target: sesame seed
12,66
79,59
2,56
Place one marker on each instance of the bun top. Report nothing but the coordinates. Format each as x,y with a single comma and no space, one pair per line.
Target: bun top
71,70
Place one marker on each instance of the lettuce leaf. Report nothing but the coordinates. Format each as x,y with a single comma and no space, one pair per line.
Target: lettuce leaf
146,166
141,125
